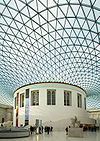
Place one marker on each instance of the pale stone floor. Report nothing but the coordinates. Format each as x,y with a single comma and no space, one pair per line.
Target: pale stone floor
59,136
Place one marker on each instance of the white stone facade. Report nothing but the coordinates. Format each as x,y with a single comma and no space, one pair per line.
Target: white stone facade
6,113
51,113
95,114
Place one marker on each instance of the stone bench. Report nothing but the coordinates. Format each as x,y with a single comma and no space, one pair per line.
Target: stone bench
13,132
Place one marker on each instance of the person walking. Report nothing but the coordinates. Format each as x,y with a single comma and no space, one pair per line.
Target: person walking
48,130
51,128
31,129
66,130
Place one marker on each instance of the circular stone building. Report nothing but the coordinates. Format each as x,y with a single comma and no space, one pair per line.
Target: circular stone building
51,103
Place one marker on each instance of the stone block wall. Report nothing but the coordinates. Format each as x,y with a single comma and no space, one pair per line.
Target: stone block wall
6,112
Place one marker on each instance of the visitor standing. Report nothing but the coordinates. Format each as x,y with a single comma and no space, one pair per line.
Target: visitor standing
66,130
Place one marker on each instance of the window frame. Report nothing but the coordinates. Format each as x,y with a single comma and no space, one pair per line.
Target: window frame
52,98
85,103
35,100
22,100
67,101
79,100
15,102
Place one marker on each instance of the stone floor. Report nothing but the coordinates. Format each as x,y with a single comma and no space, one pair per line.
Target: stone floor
59,136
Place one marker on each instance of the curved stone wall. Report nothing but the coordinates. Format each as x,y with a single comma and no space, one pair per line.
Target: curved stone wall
51,113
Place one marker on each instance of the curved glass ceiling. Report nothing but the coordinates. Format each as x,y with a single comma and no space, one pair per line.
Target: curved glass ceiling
49,40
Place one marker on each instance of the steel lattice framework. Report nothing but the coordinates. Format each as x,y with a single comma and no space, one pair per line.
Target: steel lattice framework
50,40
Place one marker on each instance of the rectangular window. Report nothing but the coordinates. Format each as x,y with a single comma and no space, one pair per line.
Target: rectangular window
85,102
22,100
27,93
79,100
67,98
35,97
51,97
48,98
15,102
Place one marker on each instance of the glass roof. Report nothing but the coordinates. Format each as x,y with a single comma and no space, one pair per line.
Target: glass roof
49,40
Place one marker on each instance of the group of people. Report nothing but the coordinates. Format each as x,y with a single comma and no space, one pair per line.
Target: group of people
32,129
85,128
90,128
47,129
